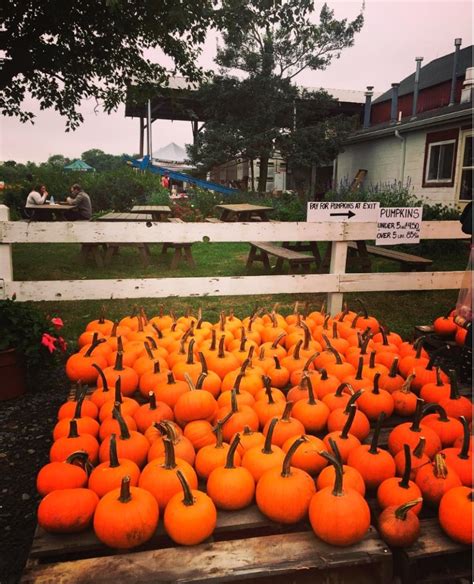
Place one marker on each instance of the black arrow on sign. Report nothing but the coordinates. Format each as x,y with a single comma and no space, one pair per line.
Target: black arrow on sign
349,214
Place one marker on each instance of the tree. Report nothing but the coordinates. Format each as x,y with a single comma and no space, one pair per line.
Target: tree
271,42
64,52
58,161
101,161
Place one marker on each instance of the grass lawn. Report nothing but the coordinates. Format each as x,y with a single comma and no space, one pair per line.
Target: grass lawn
399,310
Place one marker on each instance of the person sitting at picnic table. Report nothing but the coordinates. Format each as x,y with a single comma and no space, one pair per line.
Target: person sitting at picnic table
37,196
82,205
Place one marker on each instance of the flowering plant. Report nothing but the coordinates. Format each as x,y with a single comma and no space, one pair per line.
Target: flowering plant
35,336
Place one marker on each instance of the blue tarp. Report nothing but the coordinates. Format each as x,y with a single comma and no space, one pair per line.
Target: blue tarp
146,164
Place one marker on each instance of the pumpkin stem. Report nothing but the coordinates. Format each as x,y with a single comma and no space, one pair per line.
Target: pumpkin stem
443,416
454,390
360,366
156,367
285,417
82,458
464,452
234,406
415,427
267,446
335,449
118,390
309,385
190,359
440,470
276,341
407,383
200,380
307,336
170,458
148,350
79,402
171,380
420,447
189,381
73,433
113,456
152,343
267,383
203,362
341,387
352,400
243,340
119,361
95,342
324,374
296,352
286,466
229,462
376,388
405,482
401,512
338,480
158,331
310,360
124,431
336,355
188,499
221,350
125,495
348,424
277,362
218,430
375,438
393,368
152,400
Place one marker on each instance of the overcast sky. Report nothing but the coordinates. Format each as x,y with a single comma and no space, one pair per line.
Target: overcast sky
394,33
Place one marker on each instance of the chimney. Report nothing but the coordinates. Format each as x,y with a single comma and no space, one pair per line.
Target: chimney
468,86
457,44
393,113
417,86
368,104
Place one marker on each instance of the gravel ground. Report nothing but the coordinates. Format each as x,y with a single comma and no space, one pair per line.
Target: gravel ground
25,438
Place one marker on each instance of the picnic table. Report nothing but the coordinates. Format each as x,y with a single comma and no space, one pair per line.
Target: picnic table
244,212
112,249
48,211
158,212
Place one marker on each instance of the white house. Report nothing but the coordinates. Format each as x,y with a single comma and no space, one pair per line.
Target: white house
419,132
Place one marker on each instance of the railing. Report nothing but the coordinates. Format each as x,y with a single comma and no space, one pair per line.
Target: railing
335,284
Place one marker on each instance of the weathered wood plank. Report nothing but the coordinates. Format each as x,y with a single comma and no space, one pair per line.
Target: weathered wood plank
92,232
236,560
433,542
230,286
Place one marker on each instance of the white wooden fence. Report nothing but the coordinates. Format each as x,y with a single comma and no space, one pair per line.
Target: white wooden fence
335,284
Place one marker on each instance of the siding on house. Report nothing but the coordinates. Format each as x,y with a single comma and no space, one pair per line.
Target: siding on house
382,158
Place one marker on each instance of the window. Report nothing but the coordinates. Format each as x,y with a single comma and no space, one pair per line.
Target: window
440,162
440,158
467,168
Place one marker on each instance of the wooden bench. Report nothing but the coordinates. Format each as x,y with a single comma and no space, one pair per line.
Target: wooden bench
407,261
182,251
260,252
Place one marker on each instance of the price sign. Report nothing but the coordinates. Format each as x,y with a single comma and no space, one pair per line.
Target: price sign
397,225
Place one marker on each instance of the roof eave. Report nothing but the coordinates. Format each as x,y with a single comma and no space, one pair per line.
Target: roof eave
410,126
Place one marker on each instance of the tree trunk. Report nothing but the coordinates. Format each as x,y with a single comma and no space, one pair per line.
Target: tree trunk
262,179
252,176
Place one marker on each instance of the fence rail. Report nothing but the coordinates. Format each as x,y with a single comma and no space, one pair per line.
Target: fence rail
335,284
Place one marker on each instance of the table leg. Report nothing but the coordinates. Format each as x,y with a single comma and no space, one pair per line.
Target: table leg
364,259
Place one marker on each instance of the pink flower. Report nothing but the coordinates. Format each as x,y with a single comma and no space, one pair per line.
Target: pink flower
62,344
49,342
58,323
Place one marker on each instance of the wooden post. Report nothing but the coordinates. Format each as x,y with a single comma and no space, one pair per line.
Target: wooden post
142,135
6,265
337,266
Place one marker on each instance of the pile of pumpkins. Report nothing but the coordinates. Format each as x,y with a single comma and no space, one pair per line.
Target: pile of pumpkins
189,417
446,328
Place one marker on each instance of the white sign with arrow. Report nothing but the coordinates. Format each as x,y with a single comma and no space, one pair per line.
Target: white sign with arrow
337,211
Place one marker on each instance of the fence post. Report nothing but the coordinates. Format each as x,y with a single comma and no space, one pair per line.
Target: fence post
6,265
338,266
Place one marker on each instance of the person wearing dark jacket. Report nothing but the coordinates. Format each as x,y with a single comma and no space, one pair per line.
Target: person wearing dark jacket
82,205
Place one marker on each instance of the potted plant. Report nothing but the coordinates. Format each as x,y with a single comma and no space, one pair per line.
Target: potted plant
29,342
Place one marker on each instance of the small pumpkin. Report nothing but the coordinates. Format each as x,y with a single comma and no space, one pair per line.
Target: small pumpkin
398,525
67,510
455,514
126,517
